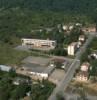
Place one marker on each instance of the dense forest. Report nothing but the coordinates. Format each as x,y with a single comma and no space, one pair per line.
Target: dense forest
79,6
20,17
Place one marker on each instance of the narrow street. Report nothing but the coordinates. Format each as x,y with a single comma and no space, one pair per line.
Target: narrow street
69,75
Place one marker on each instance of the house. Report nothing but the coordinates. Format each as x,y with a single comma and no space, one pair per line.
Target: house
82,38
72,48
60,63
85,66
93,55
39,43
65,27
71,27
68,27
89,29
79,44
6,68
82,76
78,24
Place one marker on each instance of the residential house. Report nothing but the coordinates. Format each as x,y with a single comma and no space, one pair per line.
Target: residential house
89,29
83,74
85,67
82,38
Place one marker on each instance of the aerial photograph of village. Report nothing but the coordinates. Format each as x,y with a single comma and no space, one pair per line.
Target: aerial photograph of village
48,49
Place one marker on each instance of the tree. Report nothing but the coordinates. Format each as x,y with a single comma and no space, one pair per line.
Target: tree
60,97
42,90
19,92
93,71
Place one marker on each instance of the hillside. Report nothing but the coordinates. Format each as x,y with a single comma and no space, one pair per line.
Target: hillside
80,6
18,18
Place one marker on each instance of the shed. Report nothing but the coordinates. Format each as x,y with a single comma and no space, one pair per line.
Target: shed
5,68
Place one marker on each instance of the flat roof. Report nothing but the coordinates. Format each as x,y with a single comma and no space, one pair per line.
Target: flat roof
38,68
34,67
5,68
37,60
39,39
49,69
59,60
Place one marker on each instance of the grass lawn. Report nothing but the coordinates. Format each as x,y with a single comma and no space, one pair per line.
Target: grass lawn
10,56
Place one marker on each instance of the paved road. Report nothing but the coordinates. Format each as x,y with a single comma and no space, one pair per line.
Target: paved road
64,83
83,48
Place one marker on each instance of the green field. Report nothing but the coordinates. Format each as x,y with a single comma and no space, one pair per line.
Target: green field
10,56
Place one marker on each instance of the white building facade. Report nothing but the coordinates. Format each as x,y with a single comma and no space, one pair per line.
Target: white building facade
72,48
39,42
42,75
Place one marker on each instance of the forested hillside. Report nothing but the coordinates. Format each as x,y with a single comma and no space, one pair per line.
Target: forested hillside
18,18
22,18
80,6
